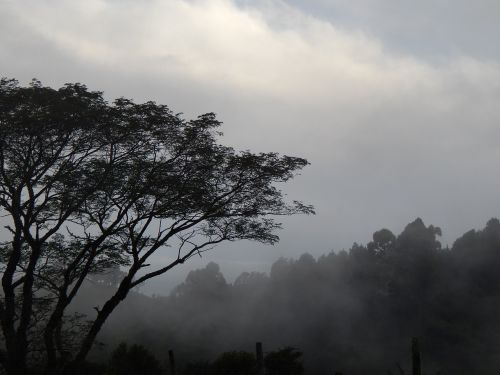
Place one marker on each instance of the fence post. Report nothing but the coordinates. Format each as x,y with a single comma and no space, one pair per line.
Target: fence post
260,358
171,361
415,355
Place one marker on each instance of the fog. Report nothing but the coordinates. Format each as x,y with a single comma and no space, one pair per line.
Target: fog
354,311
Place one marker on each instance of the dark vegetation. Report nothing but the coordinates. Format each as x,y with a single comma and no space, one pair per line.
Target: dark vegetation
136,359
353,311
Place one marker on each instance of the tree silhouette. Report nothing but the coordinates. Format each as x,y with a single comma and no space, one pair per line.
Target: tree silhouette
88,185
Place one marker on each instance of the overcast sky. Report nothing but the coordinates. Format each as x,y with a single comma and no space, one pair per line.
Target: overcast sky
394,102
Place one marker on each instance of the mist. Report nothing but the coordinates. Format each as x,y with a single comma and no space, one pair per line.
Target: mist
353,311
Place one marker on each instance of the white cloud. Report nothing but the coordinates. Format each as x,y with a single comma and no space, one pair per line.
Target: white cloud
218,42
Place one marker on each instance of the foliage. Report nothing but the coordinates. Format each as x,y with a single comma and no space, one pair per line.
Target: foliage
132,360
88,186
235,363
206,283
90,368
199,368
286,361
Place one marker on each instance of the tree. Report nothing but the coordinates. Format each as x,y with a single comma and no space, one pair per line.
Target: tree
383,241
87,185
206,283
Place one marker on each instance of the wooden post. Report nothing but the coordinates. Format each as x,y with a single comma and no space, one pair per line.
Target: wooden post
415,356
260,358
171,361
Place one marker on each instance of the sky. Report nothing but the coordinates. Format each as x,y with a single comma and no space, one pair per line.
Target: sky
394,103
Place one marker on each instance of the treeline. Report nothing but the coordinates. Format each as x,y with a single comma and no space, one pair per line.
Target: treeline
353,311
138,360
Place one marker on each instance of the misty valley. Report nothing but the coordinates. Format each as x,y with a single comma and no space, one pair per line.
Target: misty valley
351,312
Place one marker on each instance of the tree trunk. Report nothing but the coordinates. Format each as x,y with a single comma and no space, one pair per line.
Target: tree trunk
15,363
102,315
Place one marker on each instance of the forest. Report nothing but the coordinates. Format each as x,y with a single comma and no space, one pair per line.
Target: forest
351,312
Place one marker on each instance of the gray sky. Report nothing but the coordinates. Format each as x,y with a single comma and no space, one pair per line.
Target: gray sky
394,103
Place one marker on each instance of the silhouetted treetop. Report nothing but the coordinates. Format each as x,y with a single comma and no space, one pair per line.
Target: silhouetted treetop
417,237
383,241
